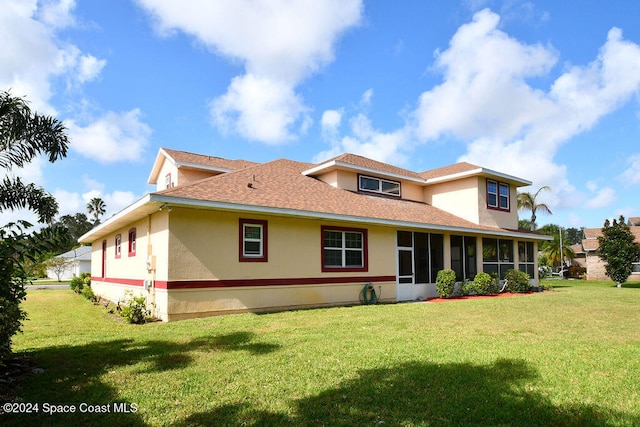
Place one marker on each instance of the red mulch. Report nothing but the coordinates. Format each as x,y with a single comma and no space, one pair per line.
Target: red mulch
467,297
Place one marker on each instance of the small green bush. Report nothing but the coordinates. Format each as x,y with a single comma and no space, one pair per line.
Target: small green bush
484,284
517,281
446,283
76,284
87,292
134,309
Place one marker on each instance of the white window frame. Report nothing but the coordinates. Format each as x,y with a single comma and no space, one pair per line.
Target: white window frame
381,183
246,239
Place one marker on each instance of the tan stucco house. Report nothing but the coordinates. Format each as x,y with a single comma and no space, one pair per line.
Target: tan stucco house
593,263
225,236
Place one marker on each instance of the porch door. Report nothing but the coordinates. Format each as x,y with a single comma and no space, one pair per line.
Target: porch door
406,273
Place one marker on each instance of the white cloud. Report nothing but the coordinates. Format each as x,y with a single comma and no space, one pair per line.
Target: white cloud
89,68
280,43
485,100
111,138
331,121
71,203
632,174
32,54
603,198
260,109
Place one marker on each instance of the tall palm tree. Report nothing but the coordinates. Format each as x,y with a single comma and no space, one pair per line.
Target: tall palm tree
23,136
527,202
96,207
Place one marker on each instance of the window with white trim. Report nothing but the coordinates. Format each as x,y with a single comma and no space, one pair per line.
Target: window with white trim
118,245
253,240
132,242
378,185
344,249
497,195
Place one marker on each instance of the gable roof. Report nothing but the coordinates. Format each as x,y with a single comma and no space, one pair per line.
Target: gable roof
362,164
194,161
287,187
464,170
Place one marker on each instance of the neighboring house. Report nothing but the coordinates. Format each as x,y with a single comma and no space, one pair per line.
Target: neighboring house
590,245
225,236
79,262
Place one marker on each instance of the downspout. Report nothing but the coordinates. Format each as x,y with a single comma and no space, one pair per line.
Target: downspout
151,270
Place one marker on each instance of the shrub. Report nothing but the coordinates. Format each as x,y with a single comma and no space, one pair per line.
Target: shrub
517,281
76,285
446,283
86,280
134,309
87,292
577,271
484,284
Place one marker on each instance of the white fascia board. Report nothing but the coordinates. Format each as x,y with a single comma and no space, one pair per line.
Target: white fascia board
155,170
200,166
375,172
478,172
206,204
98,230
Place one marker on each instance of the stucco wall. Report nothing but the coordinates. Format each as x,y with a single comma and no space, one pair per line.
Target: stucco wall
457,197
204,245
495,217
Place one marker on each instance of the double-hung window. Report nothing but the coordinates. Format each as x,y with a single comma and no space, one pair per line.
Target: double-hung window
132,242
378,185
344,249
118,245
253,240
497,195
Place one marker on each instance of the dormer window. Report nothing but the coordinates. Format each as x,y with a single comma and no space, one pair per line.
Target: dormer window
371,184
497,195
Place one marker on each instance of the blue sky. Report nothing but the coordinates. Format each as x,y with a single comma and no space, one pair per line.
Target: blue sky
544,90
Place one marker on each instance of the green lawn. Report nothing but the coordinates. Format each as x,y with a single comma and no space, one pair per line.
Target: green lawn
565,357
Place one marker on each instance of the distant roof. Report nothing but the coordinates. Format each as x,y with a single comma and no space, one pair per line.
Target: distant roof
82,253
590,241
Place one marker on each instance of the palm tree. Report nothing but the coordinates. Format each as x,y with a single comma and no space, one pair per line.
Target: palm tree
527,202
558,249
96,207
23,136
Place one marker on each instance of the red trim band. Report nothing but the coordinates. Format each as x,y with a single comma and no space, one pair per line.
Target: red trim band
235,283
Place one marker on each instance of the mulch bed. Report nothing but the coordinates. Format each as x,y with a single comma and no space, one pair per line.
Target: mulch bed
469,297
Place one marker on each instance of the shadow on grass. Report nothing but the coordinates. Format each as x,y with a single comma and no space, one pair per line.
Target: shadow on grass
72,375
425,394
632,285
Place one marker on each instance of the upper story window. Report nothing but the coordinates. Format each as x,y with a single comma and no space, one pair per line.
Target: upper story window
497,195
344,249
118,245
167,181
378,185
253,240
132,242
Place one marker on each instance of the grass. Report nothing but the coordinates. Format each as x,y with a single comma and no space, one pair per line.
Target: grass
566,357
